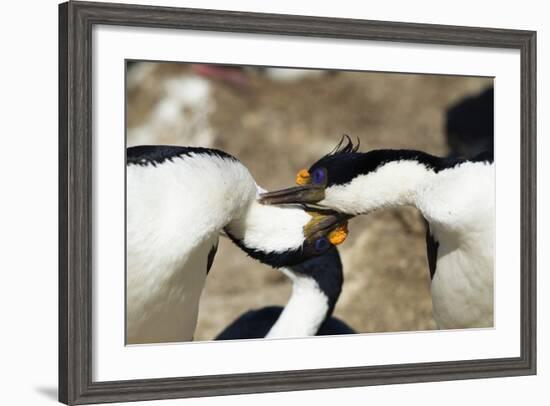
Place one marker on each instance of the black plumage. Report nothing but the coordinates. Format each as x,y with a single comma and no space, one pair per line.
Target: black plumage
326,271
257,323
469,125
156,154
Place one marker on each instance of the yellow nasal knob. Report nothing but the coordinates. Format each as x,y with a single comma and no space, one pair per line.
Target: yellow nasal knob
303,177
339,234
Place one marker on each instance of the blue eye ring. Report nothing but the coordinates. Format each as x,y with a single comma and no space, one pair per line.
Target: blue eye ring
321,244
319,176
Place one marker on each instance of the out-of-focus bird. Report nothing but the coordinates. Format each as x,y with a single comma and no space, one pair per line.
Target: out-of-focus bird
316,286
469,125
455,196
179,200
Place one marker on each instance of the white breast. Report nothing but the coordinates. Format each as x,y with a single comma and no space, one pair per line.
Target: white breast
163,295
305,311
462,287
459,205
175,212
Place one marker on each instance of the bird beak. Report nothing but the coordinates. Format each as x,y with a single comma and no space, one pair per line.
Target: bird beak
298,194
327,222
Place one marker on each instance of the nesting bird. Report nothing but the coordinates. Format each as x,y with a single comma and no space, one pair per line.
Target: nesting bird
456,198
316,286
179,201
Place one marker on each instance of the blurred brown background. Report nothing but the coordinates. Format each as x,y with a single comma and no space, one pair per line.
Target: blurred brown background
278,121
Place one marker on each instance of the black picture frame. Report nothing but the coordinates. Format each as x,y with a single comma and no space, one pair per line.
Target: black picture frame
76,20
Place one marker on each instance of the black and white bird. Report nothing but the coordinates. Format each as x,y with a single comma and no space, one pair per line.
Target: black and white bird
316,286
179,201
456,198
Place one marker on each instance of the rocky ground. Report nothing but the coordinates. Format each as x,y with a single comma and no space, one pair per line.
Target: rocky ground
276,127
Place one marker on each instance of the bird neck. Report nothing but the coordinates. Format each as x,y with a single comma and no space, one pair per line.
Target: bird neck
307,308
268,229
393,184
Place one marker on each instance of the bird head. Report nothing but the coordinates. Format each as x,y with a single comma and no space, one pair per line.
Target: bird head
284,236
352,182
333,170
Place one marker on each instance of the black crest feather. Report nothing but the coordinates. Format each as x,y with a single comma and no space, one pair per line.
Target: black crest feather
345,146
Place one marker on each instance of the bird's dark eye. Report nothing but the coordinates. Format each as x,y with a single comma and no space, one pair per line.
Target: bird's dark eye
321,244
319,176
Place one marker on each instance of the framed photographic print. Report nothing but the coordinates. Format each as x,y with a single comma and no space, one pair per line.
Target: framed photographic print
258,202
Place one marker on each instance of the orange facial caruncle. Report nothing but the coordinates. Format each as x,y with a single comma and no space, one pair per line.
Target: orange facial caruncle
339,234
303,177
